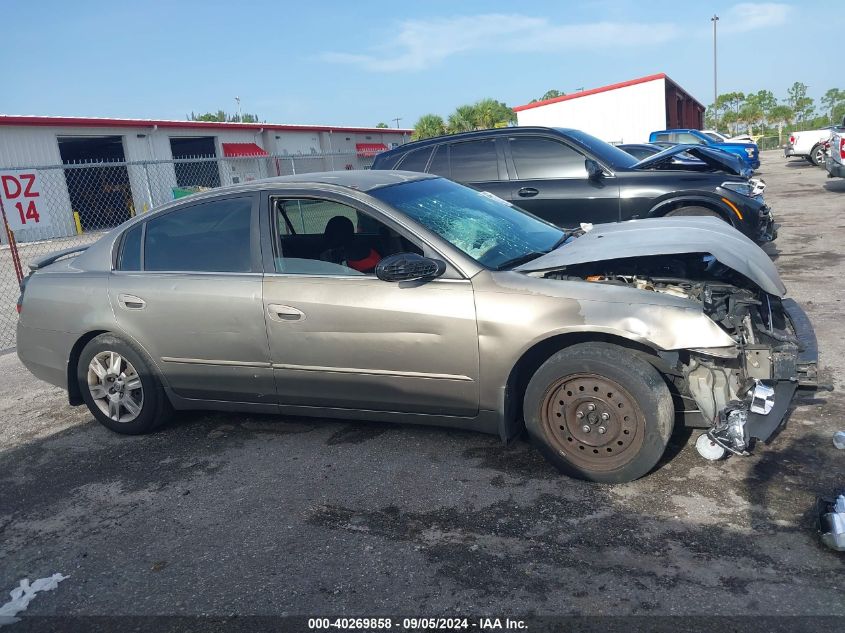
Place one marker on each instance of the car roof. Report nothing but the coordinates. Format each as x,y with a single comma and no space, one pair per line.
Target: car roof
467,136
360,179
364,180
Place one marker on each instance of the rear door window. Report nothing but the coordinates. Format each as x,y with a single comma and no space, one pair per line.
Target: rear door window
416,160
474,161
689,139
439,164
130,250
206,237
387,162
540,158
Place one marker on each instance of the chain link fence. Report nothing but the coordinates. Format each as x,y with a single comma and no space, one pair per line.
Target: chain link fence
80,202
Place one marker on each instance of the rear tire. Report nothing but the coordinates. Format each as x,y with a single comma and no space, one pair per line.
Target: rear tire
817,155
120,387
693,211
600,413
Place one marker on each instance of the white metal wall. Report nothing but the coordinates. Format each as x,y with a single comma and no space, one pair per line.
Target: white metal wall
37,146
25,146
623,115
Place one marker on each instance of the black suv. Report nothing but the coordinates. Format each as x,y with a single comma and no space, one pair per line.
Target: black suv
568,177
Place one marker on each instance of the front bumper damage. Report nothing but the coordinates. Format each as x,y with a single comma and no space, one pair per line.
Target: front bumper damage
768,229
747,398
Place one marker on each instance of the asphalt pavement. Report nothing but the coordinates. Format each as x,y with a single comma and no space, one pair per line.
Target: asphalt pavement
228,514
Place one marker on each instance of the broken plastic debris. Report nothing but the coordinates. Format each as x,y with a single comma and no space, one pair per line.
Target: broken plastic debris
832,522
762,398
23,595
839,440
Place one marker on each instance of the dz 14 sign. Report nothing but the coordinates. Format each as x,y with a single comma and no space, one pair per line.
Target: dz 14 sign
22,200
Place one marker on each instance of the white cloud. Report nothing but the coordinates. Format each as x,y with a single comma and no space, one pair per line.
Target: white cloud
750,16
421,44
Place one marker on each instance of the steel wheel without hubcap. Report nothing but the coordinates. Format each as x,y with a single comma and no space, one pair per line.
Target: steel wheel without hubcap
593,421
115,386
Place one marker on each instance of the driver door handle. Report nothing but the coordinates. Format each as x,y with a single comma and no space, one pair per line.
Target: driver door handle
284,313
528,192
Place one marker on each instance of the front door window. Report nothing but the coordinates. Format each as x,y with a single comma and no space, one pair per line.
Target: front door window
323,237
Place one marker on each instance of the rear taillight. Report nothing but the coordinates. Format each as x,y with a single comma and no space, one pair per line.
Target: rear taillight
19,305
842,148
792,140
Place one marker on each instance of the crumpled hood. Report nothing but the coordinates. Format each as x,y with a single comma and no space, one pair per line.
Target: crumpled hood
666,236
716,159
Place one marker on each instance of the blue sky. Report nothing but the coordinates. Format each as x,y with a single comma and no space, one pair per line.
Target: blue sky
358,63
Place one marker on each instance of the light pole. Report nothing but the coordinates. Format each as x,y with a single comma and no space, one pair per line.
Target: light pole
715,19
240,118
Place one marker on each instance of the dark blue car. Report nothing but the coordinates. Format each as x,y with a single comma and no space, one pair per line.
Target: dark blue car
749,152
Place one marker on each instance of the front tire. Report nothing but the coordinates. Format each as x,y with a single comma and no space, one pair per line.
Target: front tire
599,412
119,386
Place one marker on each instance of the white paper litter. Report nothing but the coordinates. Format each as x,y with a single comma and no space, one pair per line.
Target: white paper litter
23,595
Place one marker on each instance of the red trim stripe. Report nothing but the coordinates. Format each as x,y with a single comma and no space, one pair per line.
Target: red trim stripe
68,121
593,91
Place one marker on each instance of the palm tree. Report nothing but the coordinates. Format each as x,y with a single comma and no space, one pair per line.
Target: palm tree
781,114
463,119
427,126
491,113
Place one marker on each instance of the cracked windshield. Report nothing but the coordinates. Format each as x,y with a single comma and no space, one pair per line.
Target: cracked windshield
488,229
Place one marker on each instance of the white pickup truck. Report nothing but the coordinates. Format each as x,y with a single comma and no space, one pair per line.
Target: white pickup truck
835,160
809,144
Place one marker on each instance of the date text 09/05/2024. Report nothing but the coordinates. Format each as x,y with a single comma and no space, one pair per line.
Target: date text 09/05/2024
416,624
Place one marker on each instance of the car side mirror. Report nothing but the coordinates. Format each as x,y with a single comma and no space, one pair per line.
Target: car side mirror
594,170
409,267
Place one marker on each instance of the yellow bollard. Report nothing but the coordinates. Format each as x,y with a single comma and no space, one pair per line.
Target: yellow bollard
78,222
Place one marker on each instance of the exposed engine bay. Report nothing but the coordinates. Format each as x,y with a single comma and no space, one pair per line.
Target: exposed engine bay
738,393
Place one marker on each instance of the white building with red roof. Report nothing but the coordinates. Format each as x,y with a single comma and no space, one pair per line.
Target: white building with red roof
624,112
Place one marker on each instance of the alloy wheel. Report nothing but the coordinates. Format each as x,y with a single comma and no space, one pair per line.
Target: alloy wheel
115,386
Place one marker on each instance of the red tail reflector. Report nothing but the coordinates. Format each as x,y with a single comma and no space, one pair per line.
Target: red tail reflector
842,148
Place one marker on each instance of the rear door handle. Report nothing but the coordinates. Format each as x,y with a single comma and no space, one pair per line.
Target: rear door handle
283,313
528,192
131,302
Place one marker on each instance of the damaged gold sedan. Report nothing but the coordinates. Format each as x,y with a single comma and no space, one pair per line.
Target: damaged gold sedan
403,297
